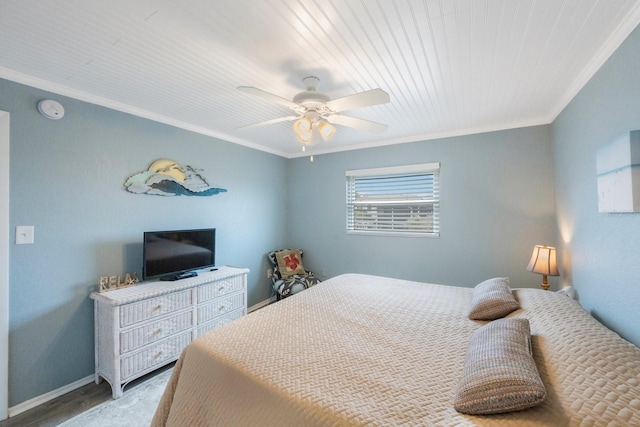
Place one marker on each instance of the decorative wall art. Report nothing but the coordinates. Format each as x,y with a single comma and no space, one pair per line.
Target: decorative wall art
166,177
618,168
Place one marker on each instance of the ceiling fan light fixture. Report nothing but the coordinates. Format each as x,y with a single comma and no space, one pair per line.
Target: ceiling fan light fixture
302,125
325,129
305,137
317,110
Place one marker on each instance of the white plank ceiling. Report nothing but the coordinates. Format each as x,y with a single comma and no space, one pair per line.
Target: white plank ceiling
451,67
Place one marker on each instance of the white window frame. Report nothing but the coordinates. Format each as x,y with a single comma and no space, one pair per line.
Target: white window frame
429,199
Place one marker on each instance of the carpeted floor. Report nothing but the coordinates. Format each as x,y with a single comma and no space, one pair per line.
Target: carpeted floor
135,408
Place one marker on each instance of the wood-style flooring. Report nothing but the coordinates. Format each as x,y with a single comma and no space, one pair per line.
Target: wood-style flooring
62,408
67,406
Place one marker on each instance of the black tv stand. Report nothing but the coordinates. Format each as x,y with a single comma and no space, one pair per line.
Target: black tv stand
173,277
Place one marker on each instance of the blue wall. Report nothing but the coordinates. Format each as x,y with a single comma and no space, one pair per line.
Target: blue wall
600,253
66,180
497,202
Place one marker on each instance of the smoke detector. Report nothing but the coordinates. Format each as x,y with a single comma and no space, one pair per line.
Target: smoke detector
51,109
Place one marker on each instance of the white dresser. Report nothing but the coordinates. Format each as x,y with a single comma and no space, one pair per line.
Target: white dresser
141,328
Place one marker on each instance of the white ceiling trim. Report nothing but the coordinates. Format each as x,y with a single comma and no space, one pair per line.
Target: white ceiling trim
628,24
62,90
417,138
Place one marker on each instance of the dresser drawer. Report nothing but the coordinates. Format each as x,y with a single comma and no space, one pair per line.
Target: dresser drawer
219,307
219,321
220,288
152,356
148,333
153,307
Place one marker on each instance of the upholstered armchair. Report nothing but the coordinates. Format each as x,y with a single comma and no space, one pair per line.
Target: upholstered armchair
289,275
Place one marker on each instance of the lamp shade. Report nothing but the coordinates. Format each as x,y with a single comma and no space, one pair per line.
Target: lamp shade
302,125
543,261
305,137
326,130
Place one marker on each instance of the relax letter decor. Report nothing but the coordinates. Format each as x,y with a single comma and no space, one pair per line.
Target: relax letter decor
166,177
109,283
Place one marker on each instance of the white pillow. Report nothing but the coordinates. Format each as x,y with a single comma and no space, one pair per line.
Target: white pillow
492,299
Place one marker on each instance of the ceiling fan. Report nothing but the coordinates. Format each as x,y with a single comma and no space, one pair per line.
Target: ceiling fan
314,109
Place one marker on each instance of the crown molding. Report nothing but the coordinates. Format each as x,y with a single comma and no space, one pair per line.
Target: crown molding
422,137
628,24
66,91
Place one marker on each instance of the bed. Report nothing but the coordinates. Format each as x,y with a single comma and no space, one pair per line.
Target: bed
368,350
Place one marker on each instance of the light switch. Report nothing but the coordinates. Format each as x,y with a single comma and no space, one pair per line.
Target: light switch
24,234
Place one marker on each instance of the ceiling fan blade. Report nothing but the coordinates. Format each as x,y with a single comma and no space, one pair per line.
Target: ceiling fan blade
269,122
362,99
268,96
354,122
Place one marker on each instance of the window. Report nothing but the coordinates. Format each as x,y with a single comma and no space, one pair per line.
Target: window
401,201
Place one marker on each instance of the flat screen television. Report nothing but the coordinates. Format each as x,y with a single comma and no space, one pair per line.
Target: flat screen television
176,254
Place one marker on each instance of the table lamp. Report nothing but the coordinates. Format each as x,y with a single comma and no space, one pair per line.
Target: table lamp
543,261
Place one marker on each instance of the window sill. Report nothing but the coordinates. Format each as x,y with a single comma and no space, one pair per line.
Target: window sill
393,234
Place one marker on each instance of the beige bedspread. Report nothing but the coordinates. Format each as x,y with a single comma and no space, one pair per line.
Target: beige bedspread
365,350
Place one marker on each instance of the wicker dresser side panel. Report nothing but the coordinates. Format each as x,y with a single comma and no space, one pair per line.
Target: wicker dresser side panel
105,338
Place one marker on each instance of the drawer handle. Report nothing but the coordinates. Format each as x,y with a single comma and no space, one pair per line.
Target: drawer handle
222,308
157,331
221,288
157,307
158,354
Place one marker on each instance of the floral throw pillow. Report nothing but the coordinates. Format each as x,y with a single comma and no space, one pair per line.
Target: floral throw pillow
290,262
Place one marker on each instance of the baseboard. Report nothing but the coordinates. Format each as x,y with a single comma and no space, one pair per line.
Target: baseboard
260,304
36,401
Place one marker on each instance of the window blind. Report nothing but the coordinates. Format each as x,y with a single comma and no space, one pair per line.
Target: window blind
402,200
